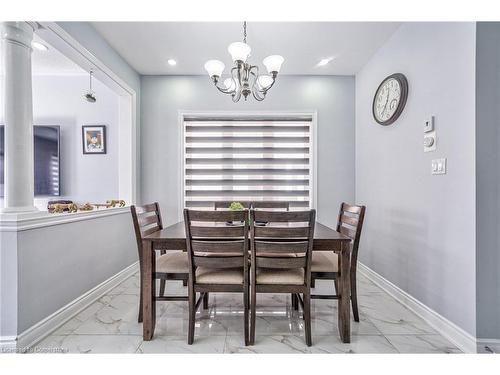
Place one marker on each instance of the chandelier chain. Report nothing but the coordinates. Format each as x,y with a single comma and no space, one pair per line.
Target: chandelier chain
244,31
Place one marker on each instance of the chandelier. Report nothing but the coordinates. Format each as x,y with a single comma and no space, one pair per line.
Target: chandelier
244,78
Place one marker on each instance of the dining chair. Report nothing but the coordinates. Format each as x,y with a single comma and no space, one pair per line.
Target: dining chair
281,249
217,244
171,265
325,264
278,205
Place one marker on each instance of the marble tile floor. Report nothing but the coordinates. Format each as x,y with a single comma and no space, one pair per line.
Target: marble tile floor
110,325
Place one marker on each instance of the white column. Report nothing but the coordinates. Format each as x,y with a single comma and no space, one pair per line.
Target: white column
18,115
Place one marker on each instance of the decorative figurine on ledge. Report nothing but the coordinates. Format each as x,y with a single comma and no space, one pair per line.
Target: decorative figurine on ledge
86,207
59,208
114,202
110,203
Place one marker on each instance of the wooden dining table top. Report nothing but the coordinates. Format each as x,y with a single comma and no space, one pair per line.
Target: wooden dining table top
173,237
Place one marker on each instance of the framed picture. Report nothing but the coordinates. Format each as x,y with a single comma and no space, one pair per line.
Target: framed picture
94,139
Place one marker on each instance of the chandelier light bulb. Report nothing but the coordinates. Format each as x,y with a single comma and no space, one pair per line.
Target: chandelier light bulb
214,68
239,51
273,63
265,81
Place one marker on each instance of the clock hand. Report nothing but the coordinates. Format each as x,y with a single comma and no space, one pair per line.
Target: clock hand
386,101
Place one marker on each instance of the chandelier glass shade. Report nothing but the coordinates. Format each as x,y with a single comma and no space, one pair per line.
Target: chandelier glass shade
244,79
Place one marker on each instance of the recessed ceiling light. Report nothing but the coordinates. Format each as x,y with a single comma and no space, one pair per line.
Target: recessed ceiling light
172,62
39,46
324,62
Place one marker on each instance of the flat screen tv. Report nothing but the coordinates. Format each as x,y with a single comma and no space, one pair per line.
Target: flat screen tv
47,163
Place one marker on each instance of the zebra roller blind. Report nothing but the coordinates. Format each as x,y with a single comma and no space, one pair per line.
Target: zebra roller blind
247,160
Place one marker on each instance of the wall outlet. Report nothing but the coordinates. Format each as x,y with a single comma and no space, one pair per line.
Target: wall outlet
429,124
438,166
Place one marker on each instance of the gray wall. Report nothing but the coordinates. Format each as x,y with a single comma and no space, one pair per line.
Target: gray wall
488,180
72,259
164,96
419,230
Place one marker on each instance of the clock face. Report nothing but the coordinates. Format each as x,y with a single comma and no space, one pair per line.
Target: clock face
390,99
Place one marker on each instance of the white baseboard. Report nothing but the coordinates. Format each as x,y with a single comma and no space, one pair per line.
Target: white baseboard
463,340
488,346
8,344
48,325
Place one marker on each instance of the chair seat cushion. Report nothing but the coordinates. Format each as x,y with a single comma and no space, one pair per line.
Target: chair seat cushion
173,262
294,276
205,275
324,261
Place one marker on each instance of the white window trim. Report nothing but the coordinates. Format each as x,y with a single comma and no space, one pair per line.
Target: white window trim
313,151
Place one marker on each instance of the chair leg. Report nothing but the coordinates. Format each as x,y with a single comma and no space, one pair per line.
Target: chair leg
307,317
162,287
192,314
205,301
304,307
139,317
253,304
245,315
295,302
354,297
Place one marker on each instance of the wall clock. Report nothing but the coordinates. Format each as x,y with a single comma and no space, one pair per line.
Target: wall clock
390,99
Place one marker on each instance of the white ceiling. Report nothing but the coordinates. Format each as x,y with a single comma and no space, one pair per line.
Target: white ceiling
52,62
148,45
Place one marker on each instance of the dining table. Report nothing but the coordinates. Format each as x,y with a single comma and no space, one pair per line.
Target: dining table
173,237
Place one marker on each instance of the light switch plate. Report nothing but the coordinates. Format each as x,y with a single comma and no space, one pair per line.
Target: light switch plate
429,141
429,124
438,166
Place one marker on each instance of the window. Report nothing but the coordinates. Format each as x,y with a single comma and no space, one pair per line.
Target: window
247,160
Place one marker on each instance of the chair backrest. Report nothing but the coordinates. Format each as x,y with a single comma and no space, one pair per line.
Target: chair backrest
350,223
271,204
285,241
216,239
147,220
254,204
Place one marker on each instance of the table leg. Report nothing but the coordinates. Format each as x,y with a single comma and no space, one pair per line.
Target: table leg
149,285
344,317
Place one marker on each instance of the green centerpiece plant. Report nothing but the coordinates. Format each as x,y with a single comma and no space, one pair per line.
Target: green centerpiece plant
237,206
